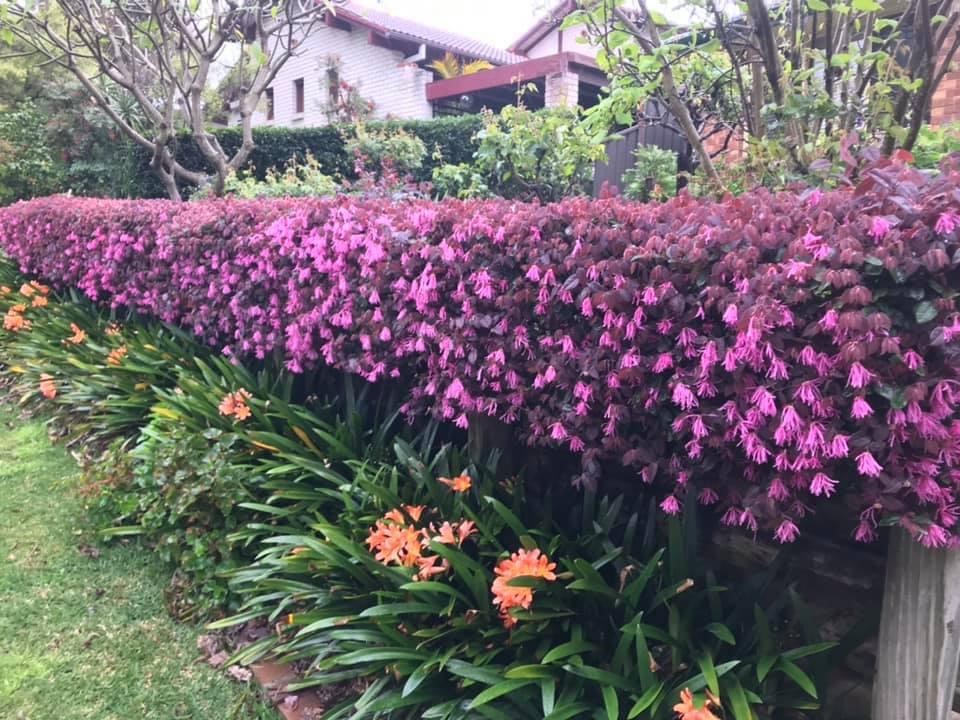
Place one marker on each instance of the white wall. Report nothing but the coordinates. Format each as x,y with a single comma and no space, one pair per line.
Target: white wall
549,43
398,90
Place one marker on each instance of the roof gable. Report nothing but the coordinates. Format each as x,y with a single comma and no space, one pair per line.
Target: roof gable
393,27
543,27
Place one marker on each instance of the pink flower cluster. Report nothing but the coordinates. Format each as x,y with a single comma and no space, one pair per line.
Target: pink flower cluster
771,352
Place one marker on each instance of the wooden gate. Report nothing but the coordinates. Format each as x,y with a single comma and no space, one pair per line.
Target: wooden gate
620,152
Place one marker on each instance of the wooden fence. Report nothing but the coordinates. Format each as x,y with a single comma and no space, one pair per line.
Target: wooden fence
621,149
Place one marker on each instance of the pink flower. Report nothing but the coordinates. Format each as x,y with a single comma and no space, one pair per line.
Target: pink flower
822,485
777,490
860,409
787,532
838,446
663,363
814,198
859,376
865,532
684,398
670,505
730,315
558,432
867,465
934,537
912,360
947,222
830,319
879,227
764,401
708,496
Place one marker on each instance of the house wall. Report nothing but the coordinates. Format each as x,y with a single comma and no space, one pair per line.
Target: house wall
397,89
945,104
550,44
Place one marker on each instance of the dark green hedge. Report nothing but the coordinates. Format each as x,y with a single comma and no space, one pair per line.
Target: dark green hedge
448,139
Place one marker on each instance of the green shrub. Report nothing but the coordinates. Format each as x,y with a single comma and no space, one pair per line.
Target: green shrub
619,623
298,179
934,144
184,497
526,155
448,139
383,149
28,164
653,177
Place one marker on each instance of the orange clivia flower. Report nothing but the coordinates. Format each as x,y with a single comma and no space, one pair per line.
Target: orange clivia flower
15,321
78,337
19,308
397,544
235,405
414,511
687,710
430,565
461,483
113,330
40,287
523,563
4,290
40,301
395,516
465,529
27,290
48,386
446,535
116,356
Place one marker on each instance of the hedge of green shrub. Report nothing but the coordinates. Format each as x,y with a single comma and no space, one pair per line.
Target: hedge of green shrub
448,140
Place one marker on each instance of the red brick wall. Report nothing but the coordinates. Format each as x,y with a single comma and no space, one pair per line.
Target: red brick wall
945,105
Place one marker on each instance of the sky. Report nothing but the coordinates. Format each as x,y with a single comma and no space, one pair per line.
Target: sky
498,22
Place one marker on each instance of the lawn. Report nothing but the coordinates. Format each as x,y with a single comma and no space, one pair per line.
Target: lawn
85,634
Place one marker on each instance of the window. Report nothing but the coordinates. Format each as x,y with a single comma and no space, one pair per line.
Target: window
333,86
298,95
269,95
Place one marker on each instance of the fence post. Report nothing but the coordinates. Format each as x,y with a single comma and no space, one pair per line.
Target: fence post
919,643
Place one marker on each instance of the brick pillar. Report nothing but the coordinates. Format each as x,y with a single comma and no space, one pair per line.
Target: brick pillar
945,104
562,90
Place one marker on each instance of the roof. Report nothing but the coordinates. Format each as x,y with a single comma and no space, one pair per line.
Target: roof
550,21
391,26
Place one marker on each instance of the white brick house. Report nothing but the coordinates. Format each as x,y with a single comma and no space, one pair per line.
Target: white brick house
385,60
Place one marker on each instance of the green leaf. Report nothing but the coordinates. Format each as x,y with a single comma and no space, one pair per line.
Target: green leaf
495,691
924,312
738,699
817,5
722,633
574,647
705,662
611,702
764,666
645,701
602,676
798,676
867,5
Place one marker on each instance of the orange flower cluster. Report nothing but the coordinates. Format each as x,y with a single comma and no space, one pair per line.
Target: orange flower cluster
687,710
40,301
116,356
395,541
32,288
460,484
48,386
235,405
523,563
4,290
113,330
78,337
14,321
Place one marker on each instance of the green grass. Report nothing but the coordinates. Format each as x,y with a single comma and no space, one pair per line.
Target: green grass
82,637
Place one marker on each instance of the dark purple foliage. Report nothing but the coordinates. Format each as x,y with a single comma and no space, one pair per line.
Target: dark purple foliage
770,350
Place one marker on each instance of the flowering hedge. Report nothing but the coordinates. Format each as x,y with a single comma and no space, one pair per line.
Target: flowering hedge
769,350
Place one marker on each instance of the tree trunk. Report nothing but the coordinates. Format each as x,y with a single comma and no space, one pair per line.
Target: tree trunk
487,436
919,643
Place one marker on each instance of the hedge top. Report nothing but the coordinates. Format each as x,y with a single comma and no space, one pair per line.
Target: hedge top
770,351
